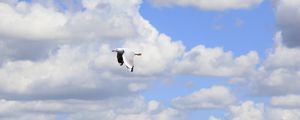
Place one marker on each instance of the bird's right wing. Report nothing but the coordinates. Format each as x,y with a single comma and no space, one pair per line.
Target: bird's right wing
128,58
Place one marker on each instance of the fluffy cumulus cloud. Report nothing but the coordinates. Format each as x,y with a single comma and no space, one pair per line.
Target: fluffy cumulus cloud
43,22
110,109
216,62
47,22
283,114
288,101
246,111
288,17
71,50
278,75
215,5
214,97
279,72
284,108
56,56
71,72
250,110
213,118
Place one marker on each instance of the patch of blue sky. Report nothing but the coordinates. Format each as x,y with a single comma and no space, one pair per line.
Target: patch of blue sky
239,31
205,114
72,5
61,117
65,5
25,1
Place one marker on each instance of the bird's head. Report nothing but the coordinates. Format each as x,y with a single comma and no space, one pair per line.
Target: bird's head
118,50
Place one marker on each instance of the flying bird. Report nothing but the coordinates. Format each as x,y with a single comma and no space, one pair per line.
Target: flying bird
125,56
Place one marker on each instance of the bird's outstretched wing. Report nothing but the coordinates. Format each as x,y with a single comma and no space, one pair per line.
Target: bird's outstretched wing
128,59
120,58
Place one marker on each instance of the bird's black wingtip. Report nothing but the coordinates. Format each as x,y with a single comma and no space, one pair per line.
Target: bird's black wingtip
132,69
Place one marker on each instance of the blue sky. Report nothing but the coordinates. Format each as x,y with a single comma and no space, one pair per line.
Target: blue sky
194,26
201,59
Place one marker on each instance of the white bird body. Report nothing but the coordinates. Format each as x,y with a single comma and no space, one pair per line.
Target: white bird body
125,56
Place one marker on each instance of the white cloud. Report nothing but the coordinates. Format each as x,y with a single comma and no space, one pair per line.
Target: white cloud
279,72
282,56
153,105
62,65
159,52
170,114
246,111
71,72
111,22
288,17
216,62
9,1
283,114
110,109
24,21
40,21
136,87
288,101
213,118
214,97
279,81
249,110
215,5
6,52
81,72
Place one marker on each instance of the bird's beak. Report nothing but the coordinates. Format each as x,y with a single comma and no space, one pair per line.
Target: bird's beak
114,50
138,54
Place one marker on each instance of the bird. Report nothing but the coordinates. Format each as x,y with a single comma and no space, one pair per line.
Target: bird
125,56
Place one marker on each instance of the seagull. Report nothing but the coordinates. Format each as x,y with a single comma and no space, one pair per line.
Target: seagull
125,55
